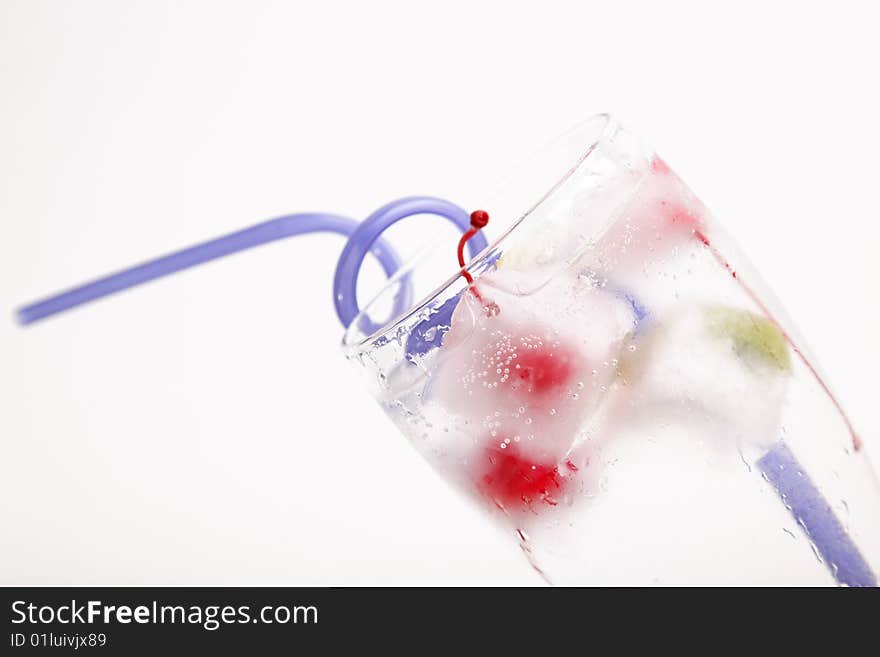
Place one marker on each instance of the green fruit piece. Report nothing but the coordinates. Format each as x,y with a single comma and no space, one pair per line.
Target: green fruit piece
754,337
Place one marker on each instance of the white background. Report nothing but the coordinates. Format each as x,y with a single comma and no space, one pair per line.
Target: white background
206,429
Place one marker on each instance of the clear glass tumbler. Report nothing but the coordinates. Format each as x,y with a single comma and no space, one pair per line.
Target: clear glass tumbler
620,391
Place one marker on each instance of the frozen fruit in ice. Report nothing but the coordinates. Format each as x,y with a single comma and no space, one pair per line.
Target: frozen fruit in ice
536,370
755,338
513,482
522,382
676,209
662,216
723,366
543,370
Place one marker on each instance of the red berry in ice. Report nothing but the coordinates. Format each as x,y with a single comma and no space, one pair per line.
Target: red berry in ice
541,370
513,482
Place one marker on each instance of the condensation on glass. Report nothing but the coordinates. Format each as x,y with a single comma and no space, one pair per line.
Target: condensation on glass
620,391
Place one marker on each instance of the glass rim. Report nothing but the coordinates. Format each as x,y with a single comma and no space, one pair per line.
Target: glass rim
607,126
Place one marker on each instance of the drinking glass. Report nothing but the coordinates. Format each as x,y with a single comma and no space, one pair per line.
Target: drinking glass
620,391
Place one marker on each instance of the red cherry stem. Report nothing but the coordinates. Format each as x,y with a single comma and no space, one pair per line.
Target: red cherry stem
479,219
464,238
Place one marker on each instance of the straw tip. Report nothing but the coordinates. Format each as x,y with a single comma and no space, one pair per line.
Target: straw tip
23,316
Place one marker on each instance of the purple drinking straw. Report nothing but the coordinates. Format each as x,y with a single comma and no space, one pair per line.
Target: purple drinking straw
364,237
355,250
813,513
